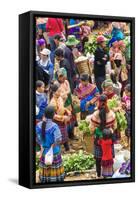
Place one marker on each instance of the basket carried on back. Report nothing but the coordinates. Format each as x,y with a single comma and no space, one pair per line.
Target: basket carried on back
82,64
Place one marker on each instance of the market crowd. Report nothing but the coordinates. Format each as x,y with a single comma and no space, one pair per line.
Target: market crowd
74,78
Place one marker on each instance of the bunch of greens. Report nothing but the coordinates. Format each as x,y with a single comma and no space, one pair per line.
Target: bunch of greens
121,121
120,115
107,48
113,103
78,162
91,45
128,48
84,127
127,41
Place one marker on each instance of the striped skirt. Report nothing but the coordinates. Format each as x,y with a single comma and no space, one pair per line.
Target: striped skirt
63,129
53,173
107,168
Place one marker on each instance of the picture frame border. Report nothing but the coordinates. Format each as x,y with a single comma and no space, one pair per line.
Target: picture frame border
27,171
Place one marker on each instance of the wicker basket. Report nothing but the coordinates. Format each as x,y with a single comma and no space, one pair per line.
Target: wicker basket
89,143
83,66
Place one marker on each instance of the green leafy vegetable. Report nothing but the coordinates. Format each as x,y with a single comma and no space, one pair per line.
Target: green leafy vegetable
120,115
84,127
78,162
121,121
91,45
113,103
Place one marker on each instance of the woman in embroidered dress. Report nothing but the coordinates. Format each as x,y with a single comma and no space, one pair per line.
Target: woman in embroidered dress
62,115
65,93
64,86
88,94
101,119
48,134
108,89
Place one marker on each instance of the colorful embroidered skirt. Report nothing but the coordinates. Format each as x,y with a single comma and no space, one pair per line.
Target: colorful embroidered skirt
107,168
53,173
64,133
107,171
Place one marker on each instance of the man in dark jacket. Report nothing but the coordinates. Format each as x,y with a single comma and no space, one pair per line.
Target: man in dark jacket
60,43
101,59
63,62
41,75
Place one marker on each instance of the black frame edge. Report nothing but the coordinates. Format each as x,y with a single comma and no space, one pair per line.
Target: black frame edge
24,95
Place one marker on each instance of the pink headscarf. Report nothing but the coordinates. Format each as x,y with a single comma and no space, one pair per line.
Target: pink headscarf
121,43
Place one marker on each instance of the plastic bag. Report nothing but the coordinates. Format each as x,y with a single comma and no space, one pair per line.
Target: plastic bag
117,148
117,174
118,160
49,157
37,110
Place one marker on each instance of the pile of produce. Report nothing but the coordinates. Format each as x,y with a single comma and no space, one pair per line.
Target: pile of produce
127,41
120,115
113,103
128,48
121,121
84,127
78,162
91,45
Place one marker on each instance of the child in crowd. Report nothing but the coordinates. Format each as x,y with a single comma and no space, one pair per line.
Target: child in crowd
107,153
41,100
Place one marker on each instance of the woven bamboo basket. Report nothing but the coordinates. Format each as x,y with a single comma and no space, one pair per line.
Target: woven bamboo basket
89,143
83,66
